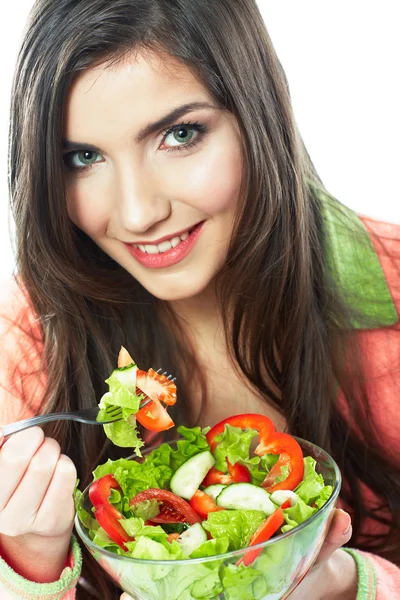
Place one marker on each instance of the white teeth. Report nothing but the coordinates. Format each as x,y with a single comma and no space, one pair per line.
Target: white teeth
151,249
163,246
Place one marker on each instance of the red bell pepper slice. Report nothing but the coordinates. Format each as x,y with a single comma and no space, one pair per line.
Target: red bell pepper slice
173,508
237,474
270,442
290,456
106,514
264,533
112,527
263,425
203,504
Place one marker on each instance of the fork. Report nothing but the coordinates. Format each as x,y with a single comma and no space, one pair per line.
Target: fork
88,415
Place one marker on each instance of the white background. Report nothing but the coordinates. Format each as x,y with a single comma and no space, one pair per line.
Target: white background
342,61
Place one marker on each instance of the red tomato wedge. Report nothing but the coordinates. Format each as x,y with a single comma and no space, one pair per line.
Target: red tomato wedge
264,533
156,386
154,417
237,473
106,514
270,442
173,508
203,504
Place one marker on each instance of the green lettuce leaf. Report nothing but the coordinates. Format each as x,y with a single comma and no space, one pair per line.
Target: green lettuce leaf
195,441
297,514
148,548
122,433
211,548
312,490
236,525
134,477
243,583
234,445
84,516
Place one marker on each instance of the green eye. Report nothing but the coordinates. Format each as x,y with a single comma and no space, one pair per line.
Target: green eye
183,134
83,158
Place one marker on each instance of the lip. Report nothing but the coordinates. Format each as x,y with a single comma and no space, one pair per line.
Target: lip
170,257
162,239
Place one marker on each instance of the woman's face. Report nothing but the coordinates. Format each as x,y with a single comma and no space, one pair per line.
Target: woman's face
154,169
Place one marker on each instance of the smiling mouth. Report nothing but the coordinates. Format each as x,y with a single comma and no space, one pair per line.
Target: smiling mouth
165,245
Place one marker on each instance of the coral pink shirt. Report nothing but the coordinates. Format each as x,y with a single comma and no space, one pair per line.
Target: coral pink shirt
22,375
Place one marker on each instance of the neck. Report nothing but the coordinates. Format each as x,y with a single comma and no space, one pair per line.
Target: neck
200,316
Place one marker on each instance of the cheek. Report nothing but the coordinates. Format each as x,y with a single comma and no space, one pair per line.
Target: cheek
87,210
214,181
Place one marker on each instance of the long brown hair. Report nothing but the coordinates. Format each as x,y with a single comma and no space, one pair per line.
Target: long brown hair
276,286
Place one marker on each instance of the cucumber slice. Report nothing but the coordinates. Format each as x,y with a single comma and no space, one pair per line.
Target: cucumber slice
192,538
127,376
246,496
214,490
280,496
188,477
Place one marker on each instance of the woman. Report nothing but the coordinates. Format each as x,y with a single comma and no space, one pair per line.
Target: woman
164,201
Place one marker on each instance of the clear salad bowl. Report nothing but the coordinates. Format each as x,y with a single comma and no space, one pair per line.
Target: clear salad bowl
282,563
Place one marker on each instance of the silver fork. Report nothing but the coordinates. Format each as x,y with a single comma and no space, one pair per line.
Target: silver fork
88,415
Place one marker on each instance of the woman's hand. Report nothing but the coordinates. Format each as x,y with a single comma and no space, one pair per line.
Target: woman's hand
334,575
36,504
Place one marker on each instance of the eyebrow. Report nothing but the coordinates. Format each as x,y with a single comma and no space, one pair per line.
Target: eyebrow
162,123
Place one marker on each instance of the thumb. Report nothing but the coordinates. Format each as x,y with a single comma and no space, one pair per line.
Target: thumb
339,533
125,597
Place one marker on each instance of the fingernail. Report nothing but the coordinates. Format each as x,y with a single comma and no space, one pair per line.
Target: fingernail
348,529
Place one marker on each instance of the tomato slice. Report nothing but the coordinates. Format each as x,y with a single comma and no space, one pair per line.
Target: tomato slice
237,474
154,417
203,504
173,509
157,386
262,534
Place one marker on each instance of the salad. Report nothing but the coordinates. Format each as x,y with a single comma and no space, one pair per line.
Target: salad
205,495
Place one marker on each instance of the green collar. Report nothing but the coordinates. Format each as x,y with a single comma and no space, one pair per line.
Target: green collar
355,266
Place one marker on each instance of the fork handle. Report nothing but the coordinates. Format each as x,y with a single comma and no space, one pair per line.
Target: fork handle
26,423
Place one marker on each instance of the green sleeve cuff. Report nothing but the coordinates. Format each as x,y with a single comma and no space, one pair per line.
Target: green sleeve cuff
366,576
29,590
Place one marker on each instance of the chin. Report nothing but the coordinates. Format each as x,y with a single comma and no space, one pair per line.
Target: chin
176,288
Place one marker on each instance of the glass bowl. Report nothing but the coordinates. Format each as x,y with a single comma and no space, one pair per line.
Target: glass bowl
280,566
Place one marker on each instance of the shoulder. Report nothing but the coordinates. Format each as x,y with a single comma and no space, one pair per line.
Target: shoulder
21,352
381,345
385,238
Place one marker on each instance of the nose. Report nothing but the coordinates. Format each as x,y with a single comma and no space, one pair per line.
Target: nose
142,202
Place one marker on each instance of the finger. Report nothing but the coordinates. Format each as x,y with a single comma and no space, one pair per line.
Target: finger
15,456
339,533
125,597
57,511
1,437
32,488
